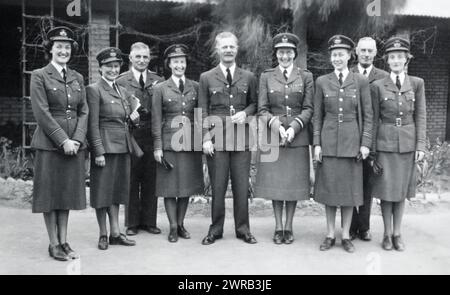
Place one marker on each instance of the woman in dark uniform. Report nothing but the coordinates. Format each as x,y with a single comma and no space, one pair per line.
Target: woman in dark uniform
342,136
111,108
286,105
400,121
58,100
173,130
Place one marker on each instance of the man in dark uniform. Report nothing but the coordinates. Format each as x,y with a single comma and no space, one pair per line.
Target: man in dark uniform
141,211
227,94
366,52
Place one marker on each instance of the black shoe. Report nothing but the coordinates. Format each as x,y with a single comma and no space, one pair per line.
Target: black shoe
121,239
365,236
72,254
387,243
151,229
103,243
132,231
348,245
210,239
183,233
278,237
353,235
248,238
173,235
288,237
398,243
58,253
327,244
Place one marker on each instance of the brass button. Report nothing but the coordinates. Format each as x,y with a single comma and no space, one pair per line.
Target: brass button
341,109
286,97
231,95
183,103
286,86
341,99
342,90
400,103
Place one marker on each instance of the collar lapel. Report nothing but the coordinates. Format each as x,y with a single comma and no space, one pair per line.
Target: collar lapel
109,89
173,86
51,70
406,84
220,76
132,80
279,75
237,75
294,75
70,75
333,79
390,85
349,80
188,86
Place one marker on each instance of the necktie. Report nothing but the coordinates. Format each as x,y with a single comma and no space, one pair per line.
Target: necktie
397,82
116,88
141,81
285,75
181,86
229,78
341,76
365,73
64,74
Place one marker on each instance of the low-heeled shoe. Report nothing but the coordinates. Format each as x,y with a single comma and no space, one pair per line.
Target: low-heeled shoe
288,237
327,244
278,237
57,253
103,243
121,239
348,245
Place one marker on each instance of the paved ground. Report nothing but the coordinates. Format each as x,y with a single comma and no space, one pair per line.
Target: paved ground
23,249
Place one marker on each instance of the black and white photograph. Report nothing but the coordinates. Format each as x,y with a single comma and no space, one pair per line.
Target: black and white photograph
204,139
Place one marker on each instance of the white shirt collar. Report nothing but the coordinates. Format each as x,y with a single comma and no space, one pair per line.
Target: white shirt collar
59,68
137,74
110,83
288,69
401,76
224,69
361,69
345,73
177,80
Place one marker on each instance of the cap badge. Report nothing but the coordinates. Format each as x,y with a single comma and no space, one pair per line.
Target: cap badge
63,33
112,54
337,41
284,39
178,50
397,44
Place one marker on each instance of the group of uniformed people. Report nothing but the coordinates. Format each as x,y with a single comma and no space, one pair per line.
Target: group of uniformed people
366,126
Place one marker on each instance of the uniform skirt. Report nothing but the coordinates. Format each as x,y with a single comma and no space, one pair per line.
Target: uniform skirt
59,182
398,181
110,185
185,179
286,179
339,182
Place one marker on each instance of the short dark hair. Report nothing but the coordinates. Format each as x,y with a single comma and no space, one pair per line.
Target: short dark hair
48,44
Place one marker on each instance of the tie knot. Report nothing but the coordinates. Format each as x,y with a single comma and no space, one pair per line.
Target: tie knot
341,75
63,71
365,72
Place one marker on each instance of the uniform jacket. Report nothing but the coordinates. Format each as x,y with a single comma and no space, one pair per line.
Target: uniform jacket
173,115
343,116
276,95
143,134
108,130
215,98
400,116
375,74
59,107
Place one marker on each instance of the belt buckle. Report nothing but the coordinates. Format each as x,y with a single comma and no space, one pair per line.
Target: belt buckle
398,122
340,118
288,111
232,111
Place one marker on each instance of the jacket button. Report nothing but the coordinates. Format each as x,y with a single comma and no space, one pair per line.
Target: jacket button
341,99
340,109
184,113
399,93
401,113
342,90
286,86
183,103
112,101
400,103
286,97
231,95
385,98
68,95
228,86
170,99
54,89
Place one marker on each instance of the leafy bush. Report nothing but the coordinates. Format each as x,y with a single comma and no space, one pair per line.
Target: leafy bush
435,163
12,164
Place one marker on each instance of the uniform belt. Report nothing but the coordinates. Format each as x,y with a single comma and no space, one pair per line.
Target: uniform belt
113,124
398,121
67,114
340,117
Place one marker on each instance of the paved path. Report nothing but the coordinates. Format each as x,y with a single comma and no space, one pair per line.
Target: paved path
23,249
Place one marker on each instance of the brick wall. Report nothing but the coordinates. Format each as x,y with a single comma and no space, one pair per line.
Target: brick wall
99,35
432,63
